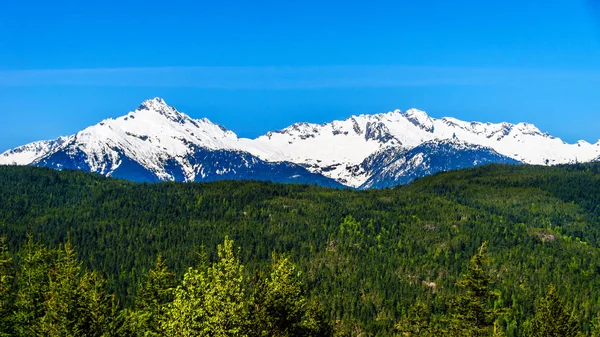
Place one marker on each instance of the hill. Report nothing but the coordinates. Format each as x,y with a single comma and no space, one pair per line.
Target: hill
368,255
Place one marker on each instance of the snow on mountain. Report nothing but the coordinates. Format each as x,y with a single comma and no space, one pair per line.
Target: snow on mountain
427,159
420,119
338,148
157,142
29,153
150,135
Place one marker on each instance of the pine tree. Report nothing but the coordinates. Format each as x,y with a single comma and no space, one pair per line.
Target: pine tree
186,314
281,307
98,312
417,321
226,309
471,313
32,284
151,301
211,302
553,317
596,326
60,301
7,276
76,303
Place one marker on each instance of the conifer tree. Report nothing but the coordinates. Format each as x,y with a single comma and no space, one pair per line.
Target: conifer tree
60,302
98,311
417,321
151,301
225,304
6,289
281,307
596,326
76,303
553,318
471,313
186,314
211,302
32,284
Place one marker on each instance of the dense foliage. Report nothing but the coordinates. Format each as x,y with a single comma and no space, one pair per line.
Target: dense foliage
67,300
379,262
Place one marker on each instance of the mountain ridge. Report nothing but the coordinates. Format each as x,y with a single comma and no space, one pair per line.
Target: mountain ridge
162,140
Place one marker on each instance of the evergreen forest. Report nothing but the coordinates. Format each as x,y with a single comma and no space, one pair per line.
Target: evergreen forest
498,250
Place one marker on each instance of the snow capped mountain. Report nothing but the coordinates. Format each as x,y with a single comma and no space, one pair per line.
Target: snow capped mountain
427,159
157,142
337,149
29,153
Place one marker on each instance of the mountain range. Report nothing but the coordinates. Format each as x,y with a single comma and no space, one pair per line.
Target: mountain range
155,142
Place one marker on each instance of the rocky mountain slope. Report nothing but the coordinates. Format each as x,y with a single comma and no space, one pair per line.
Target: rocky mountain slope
156,142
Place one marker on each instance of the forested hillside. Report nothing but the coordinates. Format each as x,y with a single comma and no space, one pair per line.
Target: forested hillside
377,261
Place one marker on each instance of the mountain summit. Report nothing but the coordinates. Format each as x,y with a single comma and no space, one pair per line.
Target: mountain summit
156,142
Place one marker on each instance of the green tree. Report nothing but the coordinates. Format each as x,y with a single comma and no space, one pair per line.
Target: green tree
225,304
7,294
76,303
152,299
417,321
553,318
472,314
186,314
596,326
211,302
281,307
98,311
61,299
32,285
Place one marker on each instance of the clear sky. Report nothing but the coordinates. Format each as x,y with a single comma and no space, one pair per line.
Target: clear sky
255,66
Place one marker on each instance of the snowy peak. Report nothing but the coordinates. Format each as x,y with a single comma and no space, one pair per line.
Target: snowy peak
301,130
337,148
157,114
157,138
159,111
379,132
151,136
155,103
420,119
493,131
528,129
159,106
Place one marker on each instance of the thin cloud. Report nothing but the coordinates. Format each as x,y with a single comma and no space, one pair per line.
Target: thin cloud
279,77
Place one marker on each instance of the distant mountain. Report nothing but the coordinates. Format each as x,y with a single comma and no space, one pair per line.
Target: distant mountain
338,149
426,159
156,142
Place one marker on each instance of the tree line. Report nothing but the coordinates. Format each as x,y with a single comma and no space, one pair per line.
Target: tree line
368,258
48,292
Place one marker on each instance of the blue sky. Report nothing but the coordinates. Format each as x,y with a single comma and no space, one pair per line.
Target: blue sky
255,66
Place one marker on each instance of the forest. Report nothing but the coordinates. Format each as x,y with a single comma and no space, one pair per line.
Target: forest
498,250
